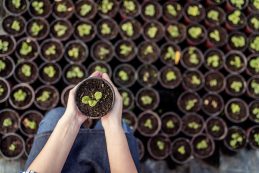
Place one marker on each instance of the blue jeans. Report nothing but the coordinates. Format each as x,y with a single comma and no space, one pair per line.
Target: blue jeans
89,152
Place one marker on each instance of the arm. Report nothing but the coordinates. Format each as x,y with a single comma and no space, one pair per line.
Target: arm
117,145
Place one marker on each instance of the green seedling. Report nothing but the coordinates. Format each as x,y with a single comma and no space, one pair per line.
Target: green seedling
170,76
235,17
238,41
45,96
19,95
255,87
1,90
238,3
202,145
255,111
235,139
213,60
31,124
148,50
255,4
190,104
172,10
195,32
173,30
4,45
60,29
12,147
213,82
236,86
50,71
236,62
51,50
146,100
16,3
7,122
215,128
193,10
129,6
148,124
75,72
195,80
213,15
74,52
254,44
235,108
255,22
125,98
26,70
146,76
84,29
62,8
2,65
103,52
106,6
38,6
215,35
105,29
256,138
150,10
194,125
26,49
123,75
36,29
152,31
193,56
128,28
16,25
85,9
100,69
170,124
160,145
92,100
125,50
181,150
170,54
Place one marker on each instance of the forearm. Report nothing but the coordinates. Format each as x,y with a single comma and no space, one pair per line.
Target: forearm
52,157
118,151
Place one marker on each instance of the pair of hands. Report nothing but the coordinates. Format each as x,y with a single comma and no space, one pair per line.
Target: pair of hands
112,119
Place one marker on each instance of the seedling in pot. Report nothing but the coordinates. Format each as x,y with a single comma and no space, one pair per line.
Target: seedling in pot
60,29
253,87
38,6
26,49
36,29
172,11
31,124
92,100
213,15
13,25
190,104
254,22
20,95
4,46
150,10
236,110
125,50
192,58
213,61
239,4
84,29
85,9
159,147
75,72
195,32
153,31
128,28
51,50
236,86
2,65
7,122
175,32
146,100
194,12
254,44
236,19
125,98
235,139
74,52
45,96
238,41
108,7
130,8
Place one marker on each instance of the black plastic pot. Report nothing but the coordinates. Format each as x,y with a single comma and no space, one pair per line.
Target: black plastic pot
129,9
107,28
213,59
193,80
125,50
253,43
196,34
234,4
63,9
237,41
99,66
61,29
27,49
214,81
235,85
215,16
102,51
189,102
52,50
175,32
253,87
65,94
37,28
181,151
76,51
171,124
170,77
85,9
217,37
141,149
236,139
153,31
14,25
236,25
151,10
26,72
252,21
217,128
130,119
192,58
16,9
127,98
172,11
148,52
9,120
147,99
50,73
253,6
192,124
169,54
202,146
8,70
8,45
85,30
147,75
254,111
38,10
104,11
194,12
236,110
74,73
124,75
130,29
253,134
212,104
4,90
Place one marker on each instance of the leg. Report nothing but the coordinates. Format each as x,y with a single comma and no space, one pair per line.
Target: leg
125,127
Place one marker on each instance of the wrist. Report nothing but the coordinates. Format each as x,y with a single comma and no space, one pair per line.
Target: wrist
71,120
111,124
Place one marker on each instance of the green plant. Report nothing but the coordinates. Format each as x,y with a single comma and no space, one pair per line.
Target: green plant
238,41
16,3
235,108
195,80
125,98
16,25
51,50
215,128
12,147
84,29
60,29
236,86
256,138
148,50
36,28
170,76
100,69
160,145
31,124
45,96
215,35
128,28
62,8
255,111
235,139
103,52
129,6
50,71
170,54
1,90
173,30
255,22
123,75
254,44
255,86
238,3
105,29
213,60
146,100
181,150
213,15
106,6
235,17
75,72
152,31
7,122
85,9
236,62
2,65
170,124
92,100
193,10
19,95
150,10
255,3
25,49
148,123
195,32
26,70
213,82
203,144
4,45
172,10
38,6
74,52
194,125
190,104
125,49
193,56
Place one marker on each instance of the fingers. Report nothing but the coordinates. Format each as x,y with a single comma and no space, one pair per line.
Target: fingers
96,74
106,77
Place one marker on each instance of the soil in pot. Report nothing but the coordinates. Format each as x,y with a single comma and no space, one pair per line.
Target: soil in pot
124,75
254,111
84,30
61,29
108,7
86,9
171,124
194,12
181,150
235,85
193,80
101,67
4,90
40,8
26,72
52,50
203,146
159,147
76,51
236,139
129,8
130,29
151,10
253,6
216,128
94,97
217,36
153,31
192,124
107,28
130,119
12,146
236,4
9,119
148,52
189,102
253,65
214,16
196,34
170,54
16,7
170,77
149,123
235,20
212,104
147,75
28,145
172,11
192,58
63,8
253,23
102,51
253,137
50,73
236,110
127,98
29,122
254,43
13,25
141,149
65,95
46,97
125,50
175,32
6,67
253,87
7,45
147,99
214,59
237,41
74,73
27,49
37,28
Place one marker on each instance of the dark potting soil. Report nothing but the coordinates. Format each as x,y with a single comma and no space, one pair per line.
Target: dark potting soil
111,24
147,75
82,51
213,104
13,116
180,157
239,116
5,88
216,122
46,77
11,8
53,98
42,22
21,77
238,144
146,131
203,152
130,118
88,88
171,83
96,49
7,25
130,73
29,96
186,120
91,13
187,80
9,140
176,121
214,76
58,50
9,66
30,116
152,94
70,8
189,96
150,57
32,44
47,9
155,151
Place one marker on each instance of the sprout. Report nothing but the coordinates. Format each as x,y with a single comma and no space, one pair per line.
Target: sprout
255,4
1,90
26,49
92,100
106,6
238,41
26,70
148,50
238,3
125,98
146,100
7,122
255,22
195,32
234,17
194,125
170,124
213,15
12,147
160,145
123,75
235,108
62,8
254,44
255,86
236,86
254,63
51,50
255,111
20,95
17,3
256,138
2,65
148,124
100,69
45,96
213,82
195,80
235,139
193,56
146,76
38,6
193,10
152,31
125,50
190,104
170,54
60,29
170,76
29,124
36,28
74,52
75,72
213,60
215,35
105,29
84,29
150,10
215,128
103,52
49,71
172,10
85,9
16,25
202,145
128,28
181,150
129,6
236,62
173,30
4,45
